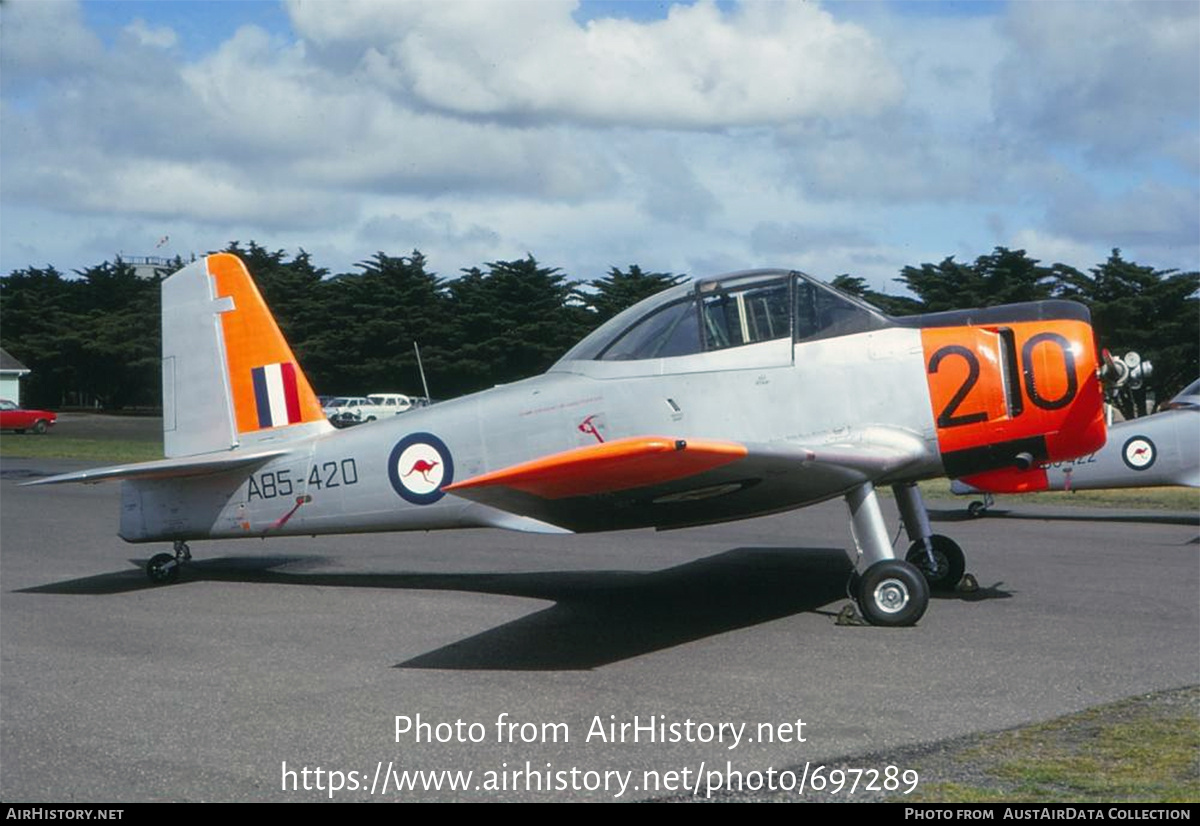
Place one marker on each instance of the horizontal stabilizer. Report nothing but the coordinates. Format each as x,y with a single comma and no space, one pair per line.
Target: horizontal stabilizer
165,468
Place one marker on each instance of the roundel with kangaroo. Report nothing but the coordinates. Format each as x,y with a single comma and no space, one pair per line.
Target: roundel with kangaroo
419,467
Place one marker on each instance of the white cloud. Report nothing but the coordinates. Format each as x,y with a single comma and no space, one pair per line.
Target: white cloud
764,63
898,160
439,227
940,143
793,238
1184,150
160,37
667,172
774,134
1057,249
1116,78
43,42
1150,213
268,103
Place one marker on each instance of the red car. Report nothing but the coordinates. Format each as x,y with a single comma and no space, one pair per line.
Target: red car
20,420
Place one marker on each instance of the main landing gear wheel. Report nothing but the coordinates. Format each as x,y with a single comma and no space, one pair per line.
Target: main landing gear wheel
892,593
162,569
951,564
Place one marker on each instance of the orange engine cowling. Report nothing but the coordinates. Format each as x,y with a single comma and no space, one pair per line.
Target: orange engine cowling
1013,387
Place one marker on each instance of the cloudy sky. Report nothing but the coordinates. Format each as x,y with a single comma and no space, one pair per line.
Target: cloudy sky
690,137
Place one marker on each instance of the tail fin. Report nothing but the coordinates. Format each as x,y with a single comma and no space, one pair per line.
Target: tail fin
229,377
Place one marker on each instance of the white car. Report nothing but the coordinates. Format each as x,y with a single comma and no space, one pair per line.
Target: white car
348,410
391,403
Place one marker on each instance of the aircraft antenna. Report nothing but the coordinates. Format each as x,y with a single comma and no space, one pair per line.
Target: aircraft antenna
424,384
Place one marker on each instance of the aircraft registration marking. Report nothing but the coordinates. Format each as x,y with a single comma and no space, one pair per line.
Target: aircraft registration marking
1090,459
272,483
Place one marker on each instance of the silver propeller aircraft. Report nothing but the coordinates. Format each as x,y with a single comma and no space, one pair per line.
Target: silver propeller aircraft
720,399
1159,450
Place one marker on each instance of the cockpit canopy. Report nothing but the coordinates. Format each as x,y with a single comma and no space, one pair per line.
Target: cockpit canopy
1188,397
728,311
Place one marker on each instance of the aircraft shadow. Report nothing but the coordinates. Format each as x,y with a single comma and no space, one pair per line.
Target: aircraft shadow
598,617
22,474
607,617
1142,517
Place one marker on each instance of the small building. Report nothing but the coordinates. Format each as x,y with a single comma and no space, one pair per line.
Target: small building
149,267
11,371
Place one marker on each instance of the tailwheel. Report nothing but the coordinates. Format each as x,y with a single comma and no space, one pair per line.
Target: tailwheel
946,568
162,569
979,507
892,593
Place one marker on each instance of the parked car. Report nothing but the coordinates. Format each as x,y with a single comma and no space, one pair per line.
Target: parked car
392,402
344,411
20,419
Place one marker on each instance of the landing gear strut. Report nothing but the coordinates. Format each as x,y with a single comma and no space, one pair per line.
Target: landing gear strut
938,557
163,569
890,591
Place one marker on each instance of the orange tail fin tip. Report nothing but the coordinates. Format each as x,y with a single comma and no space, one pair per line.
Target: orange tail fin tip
268,387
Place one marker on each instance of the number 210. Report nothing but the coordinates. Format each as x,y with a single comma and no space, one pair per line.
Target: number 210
950,417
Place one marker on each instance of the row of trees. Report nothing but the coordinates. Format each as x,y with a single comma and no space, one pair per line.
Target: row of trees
95,336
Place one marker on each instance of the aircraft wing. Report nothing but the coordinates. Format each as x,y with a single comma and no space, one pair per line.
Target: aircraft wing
668,482
165,468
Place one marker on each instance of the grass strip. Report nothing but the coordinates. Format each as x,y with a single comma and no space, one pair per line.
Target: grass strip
54,446
1142,750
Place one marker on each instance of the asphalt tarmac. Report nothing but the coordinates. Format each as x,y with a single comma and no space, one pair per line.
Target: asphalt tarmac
272,657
